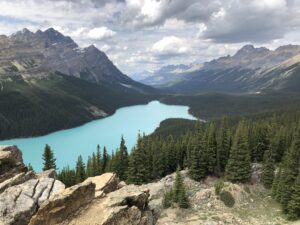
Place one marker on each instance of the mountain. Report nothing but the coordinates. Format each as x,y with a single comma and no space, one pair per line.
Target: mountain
34,55
249,70
48,83
166,74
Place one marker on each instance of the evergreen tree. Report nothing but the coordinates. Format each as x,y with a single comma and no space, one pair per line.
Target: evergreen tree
104,160
212,167
97,159
80,170
263,144
29,167
122,160
294,203
290,171
90,167
198,161
224,144
49,160
179,194
268,164
275,186
67,176
238,168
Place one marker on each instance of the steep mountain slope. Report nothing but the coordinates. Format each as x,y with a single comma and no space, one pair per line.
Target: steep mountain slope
37,54
249,70
48,83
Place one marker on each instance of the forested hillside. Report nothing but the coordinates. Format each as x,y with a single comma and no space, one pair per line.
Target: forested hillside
225,148
39,106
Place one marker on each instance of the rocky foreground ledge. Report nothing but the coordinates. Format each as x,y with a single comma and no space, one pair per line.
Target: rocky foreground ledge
41,199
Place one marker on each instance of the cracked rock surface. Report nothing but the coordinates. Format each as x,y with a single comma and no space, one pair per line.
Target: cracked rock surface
19,203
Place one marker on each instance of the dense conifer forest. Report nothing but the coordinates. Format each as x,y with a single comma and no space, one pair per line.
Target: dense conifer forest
224,148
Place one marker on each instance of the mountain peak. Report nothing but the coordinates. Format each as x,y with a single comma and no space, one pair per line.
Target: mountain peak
250,49
22,35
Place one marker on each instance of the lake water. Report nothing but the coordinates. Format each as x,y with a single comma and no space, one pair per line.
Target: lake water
69,144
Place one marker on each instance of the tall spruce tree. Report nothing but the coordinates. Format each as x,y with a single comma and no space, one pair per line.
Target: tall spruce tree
294,203
122,160
198,168
268,163
211,147
98,165
49,160
104,160
290,171
224,144
179,193
80,170
238,168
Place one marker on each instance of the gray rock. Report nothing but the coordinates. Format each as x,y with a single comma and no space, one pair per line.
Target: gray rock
11,162
17,179
63,205
20,202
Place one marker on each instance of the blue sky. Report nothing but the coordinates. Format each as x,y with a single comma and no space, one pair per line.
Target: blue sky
146,34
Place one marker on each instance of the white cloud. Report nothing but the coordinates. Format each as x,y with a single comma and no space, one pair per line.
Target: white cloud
171,45
100,33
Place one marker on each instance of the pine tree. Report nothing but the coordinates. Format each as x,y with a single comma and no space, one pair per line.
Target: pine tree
290,171
263,144
29,167
238,168
104,160
97,159
49,160
268,164
179,194
67,176
122,160
212,167
89,167
80,170
224,145
275,186
294,203
198,168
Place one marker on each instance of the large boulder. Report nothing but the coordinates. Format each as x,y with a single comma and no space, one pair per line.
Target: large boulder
11,162
20,202
126,206
64,205
104,183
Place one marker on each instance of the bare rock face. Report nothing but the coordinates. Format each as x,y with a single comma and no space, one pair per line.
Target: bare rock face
126,206
11,162
104,183
17,179
64,205
18,203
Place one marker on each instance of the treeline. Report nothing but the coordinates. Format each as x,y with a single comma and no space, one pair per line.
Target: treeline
225,148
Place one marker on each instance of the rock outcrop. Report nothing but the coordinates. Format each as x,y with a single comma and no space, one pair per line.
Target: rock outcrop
64,205
126,206
19,203
11,162
104,184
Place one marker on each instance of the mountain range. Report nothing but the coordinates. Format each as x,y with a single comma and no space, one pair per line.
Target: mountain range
249,70
48,83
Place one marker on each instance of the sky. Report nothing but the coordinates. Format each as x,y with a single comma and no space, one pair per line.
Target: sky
144,35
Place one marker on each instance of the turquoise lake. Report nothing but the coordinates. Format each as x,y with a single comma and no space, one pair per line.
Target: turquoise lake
69,144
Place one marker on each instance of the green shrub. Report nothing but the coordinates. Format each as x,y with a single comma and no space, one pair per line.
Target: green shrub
167,199
219,184
227,198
